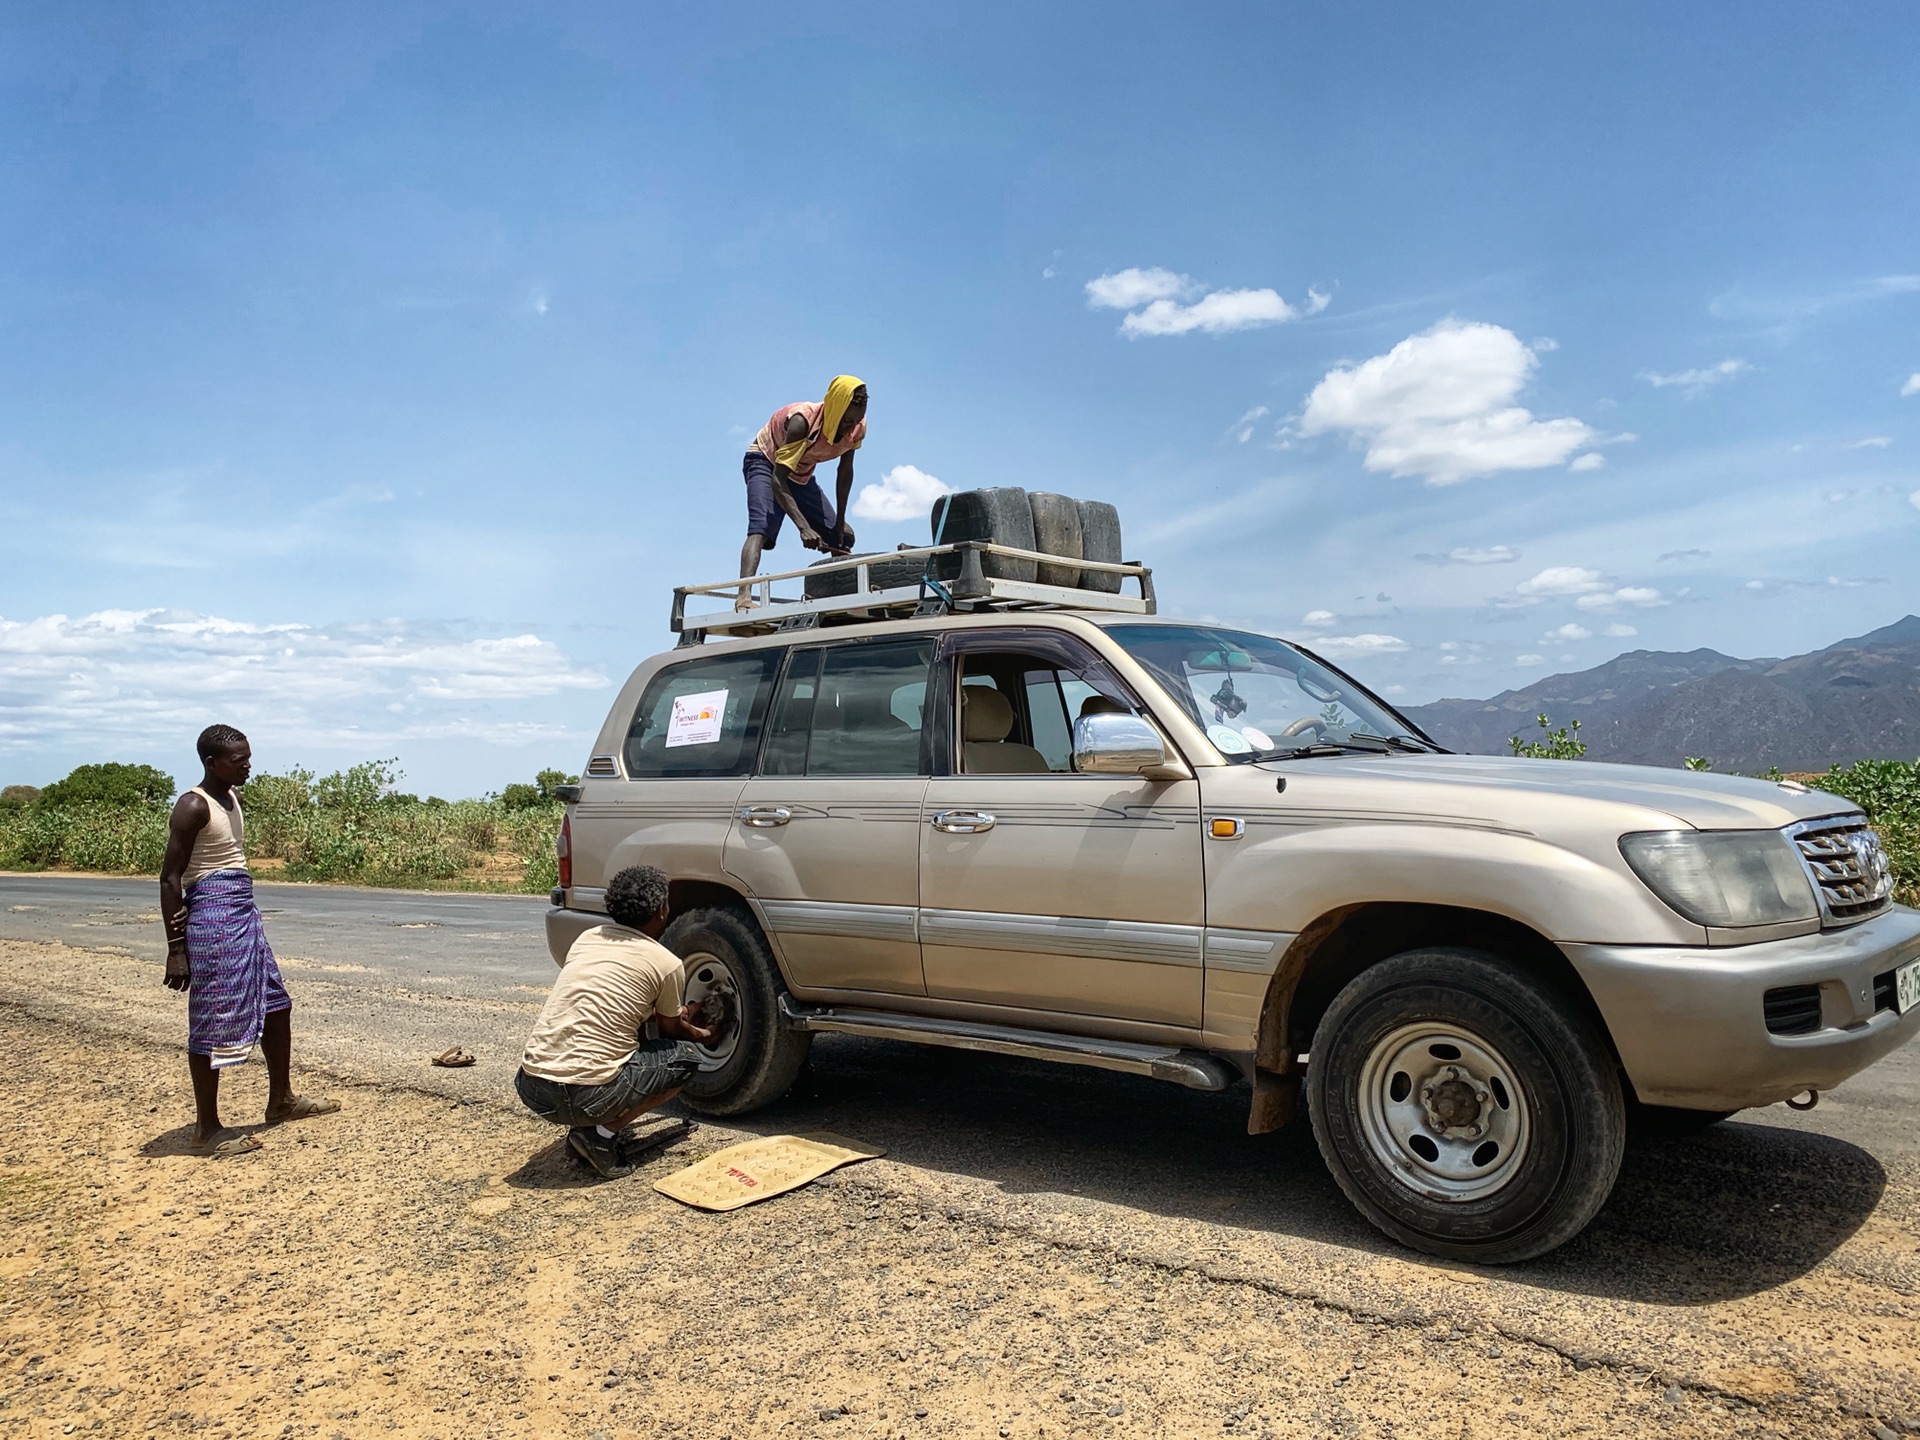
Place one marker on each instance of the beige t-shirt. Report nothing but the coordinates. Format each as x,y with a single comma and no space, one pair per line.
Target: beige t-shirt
613,981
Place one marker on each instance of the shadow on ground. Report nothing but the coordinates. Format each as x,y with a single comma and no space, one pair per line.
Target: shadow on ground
1743,1208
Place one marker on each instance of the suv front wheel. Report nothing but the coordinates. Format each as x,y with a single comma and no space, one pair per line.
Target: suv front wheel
1464,1107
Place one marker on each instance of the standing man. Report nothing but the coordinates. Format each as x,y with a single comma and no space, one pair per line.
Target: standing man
588,1065
779,469
217,950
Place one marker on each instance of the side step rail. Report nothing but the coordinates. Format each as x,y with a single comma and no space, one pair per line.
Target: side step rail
1190,1068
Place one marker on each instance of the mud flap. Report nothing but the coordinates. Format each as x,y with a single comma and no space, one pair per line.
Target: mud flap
1276,1100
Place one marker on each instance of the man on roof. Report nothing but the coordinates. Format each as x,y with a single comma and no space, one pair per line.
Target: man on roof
779,469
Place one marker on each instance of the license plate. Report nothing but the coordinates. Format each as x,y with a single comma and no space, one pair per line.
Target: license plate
1906,987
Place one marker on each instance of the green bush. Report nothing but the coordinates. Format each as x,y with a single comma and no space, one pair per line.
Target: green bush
18,797
1562,744
109,784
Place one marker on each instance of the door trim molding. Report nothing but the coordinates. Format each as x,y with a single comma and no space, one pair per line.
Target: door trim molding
1137,941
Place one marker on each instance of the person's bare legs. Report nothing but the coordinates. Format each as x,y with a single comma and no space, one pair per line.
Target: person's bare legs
206,1101
749,563
276,1044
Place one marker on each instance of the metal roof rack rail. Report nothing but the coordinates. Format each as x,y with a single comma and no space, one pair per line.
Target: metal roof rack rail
970,591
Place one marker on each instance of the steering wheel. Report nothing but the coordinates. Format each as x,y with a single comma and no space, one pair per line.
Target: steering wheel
1302,725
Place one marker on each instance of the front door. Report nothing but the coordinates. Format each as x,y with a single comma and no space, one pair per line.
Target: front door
825,837
1044,889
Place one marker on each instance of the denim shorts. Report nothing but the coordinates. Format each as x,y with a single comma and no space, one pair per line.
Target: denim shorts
764,515
656,1067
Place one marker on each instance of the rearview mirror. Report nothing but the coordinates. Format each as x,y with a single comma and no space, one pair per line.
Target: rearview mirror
1122,745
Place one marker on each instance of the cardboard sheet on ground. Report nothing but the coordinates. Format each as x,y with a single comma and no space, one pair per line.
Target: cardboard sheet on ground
756,1169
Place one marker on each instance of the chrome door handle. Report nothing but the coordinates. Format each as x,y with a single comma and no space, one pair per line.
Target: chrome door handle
763,817
963,822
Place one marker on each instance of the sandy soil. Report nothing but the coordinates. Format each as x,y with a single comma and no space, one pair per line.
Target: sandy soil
420,1265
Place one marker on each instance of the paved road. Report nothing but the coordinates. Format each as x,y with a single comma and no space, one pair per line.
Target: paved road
1784,1242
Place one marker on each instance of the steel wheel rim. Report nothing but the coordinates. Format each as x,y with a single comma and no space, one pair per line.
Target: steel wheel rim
1442,1111
705,973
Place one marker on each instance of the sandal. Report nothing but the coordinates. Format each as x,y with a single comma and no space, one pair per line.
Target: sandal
230,1147
453,1058
304,1107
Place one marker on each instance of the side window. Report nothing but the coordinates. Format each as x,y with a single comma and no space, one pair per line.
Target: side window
787,731
868,709
701,718
1028,729
1048,718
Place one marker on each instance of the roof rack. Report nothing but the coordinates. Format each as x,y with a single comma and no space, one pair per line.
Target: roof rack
971,590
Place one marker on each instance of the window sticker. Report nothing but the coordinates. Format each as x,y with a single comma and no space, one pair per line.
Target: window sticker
696,718
1226,740
1261,740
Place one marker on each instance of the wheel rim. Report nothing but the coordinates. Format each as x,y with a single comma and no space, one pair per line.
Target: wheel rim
707,972
1442,1111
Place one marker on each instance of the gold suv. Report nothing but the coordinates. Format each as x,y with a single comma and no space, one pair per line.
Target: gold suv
1174,849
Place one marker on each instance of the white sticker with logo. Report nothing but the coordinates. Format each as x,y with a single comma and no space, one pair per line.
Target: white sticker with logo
696,719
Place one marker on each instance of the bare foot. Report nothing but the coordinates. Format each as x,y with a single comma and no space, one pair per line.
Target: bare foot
300,1107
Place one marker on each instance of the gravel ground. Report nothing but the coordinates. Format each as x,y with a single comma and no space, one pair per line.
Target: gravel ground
1044,1252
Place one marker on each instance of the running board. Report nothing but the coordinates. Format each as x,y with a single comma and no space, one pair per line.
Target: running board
1190,1068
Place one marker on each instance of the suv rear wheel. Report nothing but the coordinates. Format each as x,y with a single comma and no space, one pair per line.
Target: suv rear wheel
757,1057
1464,1107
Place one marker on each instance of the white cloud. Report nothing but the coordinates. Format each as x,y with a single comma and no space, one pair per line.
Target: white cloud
1318,618
1474,555
1529,660
1592,460
1566,634
1696,382
1125,289
1439,405
1619,632
1641,596
1872,442
1562,580
1242,429
1912,387
1685,555
905,492
122,674
1165,302
1914,499
1350,646
1216,313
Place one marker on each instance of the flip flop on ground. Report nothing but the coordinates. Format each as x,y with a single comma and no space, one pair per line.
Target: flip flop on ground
302,1107
453,1058
218,1149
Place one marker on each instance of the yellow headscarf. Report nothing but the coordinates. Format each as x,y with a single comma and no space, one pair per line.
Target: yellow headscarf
839,396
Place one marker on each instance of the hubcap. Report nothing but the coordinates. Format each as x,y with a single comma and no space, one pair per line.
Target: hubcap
706,973
1441,1110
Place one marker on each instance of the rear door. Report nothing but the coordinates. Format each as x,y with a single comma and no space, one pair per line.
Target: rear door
826,835
1041,888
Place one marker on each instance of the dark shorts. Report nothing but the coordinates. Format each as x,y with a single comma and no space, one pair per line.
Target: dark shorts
656,1067
764,515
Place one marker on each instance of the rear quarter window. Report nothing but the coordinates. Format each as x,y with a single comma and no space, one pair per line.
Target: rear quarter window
701,718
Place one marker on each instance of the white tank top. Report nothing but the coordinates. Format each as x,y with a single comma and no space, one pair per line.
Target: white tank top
218,845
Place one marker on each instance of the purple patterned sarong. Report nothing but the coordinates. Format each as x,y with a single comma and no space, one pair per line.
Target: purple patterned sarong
235,982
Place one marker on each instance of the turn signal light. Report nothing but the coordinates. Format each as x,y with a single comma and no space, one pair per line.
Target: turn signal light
1224,829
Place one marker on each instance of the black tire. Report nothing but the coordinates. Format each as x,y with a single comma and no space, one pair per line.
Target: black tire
1562,1087
882,574
766,1055
1100,540
1001,517
1671,1122
1056,531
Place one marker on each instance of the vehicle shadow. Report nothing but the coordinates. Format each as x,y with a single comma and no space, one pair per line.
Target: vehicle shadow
1740,1209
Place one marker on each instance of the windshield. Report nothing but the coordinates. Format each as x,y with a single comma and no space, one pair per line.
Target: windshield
1258,697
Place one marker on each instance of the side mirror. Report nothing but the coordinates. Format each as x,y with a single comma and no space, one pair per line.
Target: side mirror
1122,745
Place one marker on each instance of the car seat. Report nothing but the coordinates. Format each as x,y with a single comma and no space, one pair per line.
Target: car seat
986,718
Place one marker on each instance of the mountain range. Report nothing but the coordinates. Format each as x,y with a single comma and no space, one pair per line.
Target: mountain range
1857,699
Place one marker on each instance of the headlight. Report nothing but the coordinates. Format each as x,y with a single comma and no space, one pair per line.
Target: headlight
1724,877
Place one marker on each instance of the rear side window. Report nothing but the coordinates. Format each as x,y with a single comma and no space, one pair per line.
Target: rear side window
852,710
701,718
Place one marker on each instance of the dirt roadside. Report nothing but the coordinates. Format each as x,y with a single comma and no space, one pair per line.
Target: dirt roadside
421,1265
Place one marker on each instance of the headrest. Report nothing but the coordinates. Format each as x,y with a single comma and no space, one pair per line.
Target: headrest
1101,705
986,716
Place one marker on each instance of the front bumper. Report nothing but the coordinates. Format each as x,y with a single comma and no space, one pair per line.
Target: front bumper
1690,1026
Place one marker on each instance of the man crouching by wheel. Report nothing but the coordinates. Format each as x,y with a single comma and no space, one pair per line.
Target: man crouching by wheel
588,1064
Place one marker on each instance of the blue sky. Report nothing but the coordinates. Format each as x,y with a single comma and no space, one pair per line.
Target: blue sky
373,372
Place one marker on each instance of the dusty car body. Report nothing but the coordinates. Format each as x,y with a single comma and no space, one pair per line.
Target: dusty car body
1473,965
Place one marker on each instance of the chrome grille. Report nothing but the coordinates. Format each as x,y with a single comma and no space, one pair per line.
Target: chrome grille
1847,864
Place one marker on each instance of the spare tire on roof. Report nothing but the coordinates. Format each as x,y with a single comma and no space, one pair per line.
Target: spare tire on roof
1056,531
883,573
1100,540
1001,516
